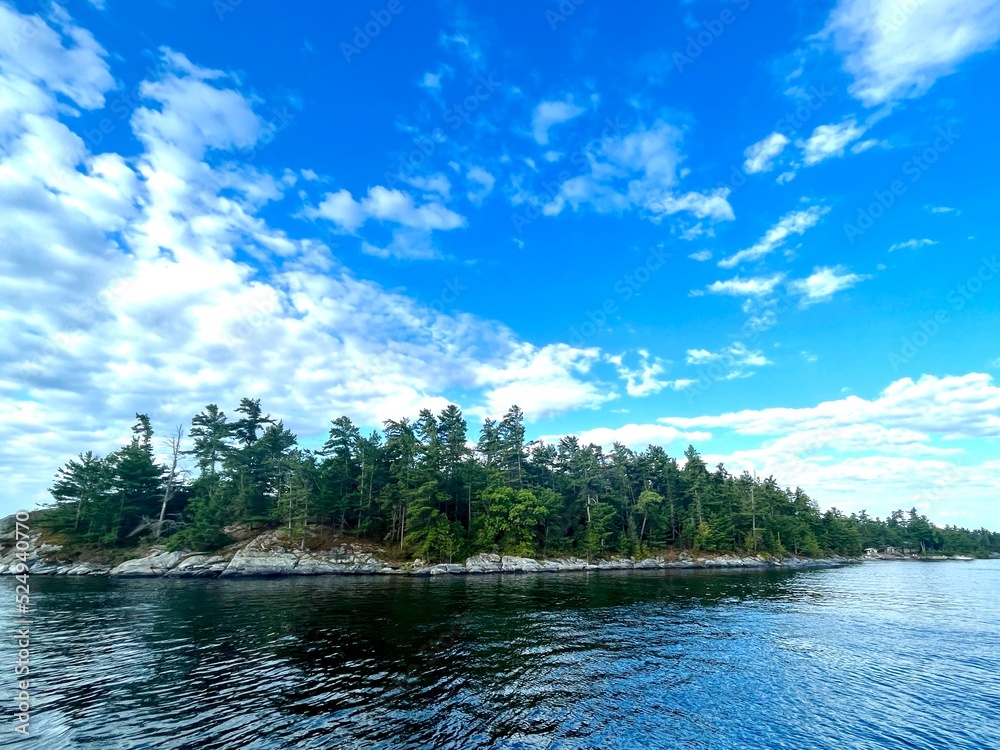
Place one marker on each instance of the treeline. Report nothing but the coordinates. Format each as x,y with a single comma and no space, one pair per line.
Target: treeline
423,488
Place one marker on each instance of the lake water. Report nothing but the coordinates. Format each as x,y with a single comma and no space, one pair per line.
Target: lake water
879,655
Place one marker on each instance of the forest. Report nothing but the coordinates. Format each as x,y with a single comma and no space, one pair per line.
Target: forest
422,489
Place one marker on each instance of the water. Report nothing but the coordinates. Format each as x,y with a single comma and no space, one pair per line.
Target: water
882,655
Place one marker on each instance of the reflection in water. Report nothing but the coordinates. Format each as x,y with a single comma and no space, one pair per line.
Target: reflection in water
873,656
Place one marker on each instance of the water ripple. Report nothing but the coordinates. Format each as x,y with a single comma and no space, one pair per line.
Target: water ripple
888,655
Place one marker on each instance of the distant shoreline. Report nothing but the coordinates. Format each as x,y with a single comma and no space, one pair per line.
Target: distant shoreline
270,555
262,557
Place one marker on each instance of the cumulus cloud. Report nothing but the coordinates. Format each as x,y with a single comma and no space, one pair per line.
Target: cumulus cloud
965,406
154,283
483,181
384,204
550,113
542,381
638,437
646,380
911,427
639,169
898,50
761,155
415,223
824,282
830,140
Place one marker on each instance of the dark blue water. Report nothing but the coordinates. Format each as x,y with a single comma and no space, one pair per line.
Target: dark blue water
881,655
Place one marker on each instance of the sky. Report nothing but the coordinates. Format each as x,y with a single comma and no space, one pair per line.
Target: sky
767,229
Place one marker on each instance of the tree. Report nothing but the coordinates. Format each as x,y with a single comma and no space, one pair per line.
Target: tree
418,486
647,499
210,434
137,480
510,440
82,492
170,486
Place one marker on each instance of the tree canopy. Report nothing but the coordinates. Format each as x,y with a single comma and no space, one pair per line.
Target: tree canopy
423,488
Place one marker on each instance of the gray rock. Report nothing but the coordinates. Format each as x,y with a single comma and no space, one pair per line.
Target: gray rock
156,564
87,569
447,568
199,566
248,562
513,564
484,563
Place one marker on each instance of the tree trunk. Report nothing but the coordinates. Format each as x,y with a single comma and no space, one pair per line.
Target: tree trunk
168,491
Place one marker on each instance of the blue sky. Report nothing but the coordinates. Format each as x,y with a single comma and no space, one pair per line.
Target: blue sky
763,229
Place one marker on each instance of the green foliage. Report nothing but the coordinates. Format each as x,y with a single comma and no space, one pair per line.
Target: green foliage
511,520
418,487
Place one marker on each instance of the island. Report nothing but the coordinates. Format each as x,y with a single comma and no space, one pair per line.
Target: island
231,497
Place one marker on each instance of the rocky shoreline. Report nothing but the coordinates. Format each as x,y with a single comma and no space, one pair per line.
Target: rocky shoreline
268,556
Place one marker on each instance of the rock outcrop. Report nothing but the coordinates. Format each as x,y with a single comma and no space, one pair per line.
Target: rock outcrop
156,564
269,554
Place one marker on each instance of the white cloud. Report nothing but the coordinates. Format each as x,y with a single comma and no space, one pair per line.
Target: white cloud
406,244
796,222
951,407
737,357
551,113
637,437
154,284
824,282
701,255
861,146
760,156
943,210
542,381
830,140
435,184
752,287
911,244
57,56
879,454
384,204
484,184
431,81
646,380
638,170
898,50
